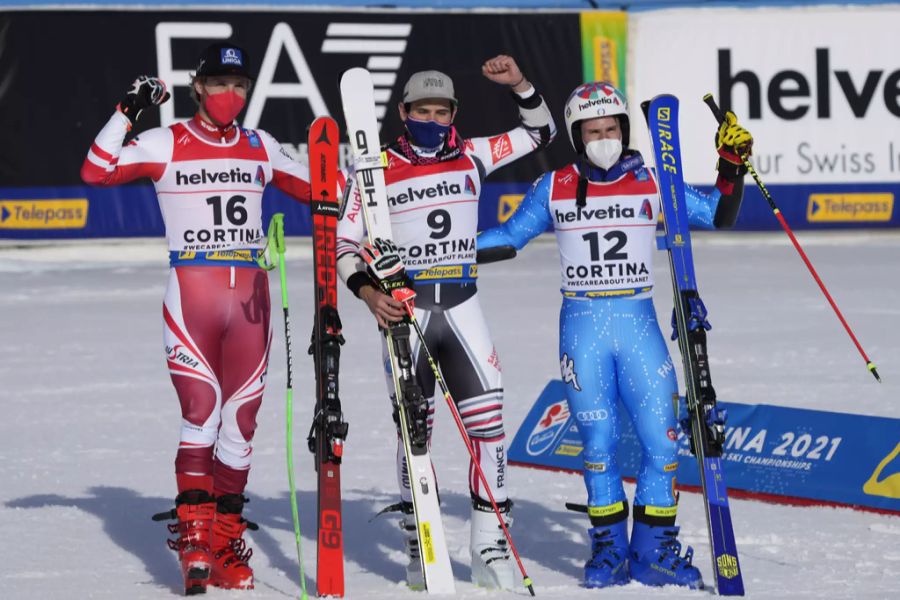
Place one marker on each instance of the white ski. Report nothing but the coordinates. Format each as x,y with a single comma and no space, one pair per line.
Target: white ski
358,102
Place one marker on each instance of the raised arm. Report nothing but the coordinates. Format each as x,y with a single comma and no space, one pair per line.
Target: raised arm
108,162
720,208
536,131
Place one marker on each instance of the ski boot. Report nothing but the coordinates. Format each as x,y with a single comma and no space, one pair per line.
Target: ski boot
195,511
608,565
229,550
491,564
654,557
415,577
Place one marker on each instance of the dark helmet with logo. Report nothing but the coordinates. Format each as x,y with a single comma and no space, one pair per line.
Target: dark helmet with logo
224,58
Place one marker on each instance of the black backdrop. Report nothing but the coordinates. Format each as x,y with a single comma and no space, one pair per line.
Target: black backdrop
61,74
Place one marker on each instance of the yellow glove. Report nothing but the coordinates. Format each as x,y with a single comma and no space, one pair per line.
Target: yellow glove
733,141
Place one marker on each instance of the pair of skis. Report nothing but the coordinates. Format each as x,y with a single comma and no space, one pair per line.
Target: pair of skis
707,422
357,96
329,430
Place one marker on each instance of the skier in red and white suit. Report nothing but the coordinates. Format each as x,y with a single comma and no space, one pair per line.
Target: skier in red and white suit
434,180
209,175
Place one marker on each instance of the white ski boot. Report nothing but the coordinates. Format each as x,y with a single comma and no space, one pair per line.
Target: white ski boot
492,566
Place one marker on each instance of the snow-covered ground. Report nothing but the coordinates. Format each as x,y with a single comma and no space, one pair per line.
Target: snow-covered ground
90,422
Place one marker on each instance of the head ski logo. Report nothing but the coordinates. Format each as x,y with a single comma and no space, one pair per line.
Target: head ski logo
567,370
548,429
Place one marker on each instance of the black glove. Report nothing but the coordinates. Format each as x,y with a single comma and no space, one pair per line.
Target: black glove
733,143
386,267
144,93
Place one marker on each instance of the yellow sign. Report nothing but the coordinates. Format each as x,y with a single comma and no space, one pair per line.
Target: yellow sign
727,565
846,208
507,205
427,542
890,485
566,450
445,272
660,511
604,511
606,59
43,214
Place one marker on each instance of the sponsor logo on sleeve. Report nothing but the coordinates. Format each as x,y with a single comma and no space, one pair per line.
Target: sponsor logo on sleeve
501,147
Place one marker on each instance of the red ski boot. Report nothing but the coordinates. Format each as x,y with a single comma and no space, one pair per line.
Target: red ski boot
229,550
195,511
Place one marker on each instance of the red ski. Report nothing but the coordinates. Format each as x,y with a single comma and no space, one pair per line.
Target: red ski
326,437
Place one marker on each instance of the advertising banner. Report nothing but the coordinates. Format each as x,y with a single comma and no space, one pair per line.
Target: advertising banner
770,451
819,89
76,65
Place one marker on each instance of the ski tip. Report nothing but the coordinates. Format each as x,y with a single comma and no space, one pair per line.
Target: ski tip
871,367
529,584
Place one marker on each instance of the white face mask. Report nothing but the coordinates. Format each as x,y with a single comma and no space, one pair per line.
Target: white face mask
603,153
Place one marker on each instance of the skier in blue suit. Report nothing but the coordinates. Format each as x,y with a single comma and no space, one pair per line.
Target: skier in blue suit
604,210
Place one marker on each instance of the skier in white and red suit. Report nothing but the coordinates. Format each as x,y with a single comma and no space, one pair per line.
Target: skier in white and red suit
434,179
209,174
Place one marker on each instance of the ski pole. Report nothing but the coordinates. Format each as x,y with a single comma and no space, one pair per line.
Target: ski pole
276,242
720,117
462,430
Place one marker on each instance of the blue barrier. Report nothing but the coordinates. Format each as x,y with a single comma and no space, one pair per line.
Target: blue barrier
70,212
772,452
132,211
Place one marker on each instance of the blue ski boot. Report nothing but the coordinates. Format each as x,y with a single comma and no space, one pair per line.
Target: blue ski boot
608,565
654,557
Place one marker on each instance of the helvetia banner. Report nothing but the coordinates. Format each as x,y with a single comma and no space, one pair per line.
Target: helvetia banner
818,87
64,71
772,452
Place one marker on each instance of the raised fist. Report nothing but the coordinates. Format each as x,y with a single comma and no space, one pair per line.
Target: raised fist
145,92
503,69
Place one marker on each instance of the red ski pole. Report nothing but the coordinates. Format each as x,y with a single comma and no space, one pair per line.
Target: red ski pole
720,117
462,430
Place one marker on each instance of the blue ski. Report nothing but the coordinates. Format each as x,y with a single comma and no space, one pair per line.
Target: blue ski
707,423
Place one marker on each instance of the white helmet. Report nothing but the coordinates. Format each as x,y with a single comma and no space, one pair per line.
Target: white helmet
592,100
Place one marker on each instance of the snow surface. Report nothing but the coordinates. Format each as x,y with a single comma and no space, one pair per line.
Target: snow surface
91,422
